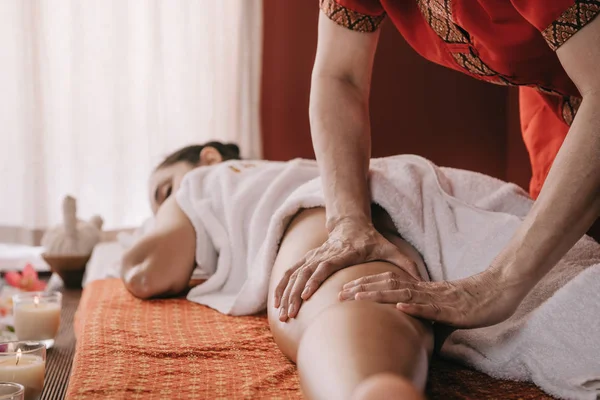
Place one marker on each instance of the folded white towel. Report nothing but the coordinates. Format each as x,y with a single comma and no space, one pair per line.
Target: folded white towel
458,220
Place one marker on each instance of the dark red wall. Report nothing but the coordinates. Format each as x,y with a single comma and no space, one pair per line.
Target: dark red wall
290,39
416,106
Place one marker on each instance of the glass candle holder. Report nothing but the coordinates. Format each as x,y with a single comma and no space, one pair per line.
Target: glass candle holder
24,363
37,316
11,391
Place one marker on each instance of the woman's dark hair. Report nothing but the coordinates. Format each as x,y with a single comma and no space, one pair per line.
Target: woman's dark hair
191,154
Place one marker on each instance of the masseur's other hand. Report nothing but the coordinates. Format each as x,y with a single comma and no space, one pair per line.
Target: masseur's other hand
349,243
481,300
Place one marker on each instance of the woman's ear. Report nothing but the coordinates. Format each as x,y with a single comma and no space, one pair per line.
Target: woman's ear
209,156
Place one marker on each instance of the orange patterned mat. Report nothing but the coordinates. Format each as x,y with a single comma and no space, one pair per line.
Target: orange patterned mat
133,349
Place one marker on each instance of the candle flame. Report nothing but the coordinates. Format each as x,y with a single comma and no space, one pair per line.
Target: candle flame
36,300
18,356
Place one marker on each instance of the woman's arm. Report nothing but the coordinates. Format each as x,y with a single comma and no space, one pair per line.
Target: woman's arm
161,262
568,205
340,128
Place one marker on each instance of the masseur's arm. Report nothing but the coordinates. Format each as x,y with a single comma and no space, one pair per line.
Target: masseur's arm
568,205
162,261
569,202
339,117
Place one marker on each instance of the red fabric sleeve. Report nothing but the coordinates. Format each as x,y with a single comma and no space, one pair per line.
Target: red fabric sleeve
357,15
558,20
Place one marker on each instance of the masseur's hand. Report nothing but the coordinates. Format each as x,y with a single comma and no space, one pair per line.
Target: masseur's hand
349,243
481,300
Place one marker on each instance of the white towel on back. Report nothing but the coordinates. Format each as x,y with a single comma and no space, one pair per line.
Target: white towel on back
230,206
458,220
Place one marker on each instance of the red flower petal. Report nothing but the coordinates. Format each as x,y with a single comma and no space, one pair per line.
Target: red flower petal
30,273
38,286
13,278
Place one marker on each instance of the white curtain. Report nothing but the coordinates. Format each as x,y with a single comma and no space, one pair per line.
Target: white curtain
94,93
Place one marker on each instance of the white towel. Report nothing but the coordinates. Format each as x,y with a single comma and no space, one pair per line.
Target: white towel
458,220
230,206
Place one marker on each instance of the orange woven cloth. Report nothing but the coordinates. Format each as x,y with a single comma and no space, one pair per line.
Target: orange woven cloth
175,349
172,349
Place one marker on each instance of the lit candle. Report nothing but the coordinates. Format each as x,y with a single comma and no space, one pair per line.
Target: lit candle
37,316
26,368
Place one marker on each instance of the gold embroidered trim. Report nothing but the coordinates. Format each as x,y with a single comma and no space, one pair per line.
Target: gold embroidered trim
349,18
438,14
570,22
473,64
569,108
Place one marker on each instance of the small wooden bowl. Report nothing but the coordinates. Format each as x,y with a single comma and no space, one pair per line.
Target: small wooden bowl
69,268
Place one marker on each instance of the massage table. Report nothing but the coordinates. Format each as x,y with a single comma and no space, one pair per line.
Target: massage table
172,348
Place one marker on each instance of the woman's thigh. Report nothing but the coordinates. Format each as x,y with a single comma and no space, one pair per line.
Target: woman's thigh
307,231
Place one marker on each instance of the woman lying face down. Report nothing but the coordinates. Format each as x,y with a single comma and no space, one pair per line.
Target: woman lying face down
167,177
136,268
351,349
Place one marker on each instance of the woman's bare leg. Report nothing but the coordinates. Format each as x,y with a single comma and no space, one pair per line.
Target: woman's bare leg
351,348
386,386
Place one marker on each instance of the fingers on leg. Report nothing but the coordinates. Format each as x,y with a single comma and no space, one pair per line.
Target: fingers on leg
370,279
295,299
322,272
280,289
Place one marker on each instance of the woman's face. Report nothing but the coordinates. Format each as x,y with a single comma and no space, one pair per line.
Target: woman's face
165,181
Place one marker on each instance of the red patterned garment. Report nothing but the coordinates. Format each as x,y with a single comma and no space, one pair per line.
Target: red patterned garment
506,42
